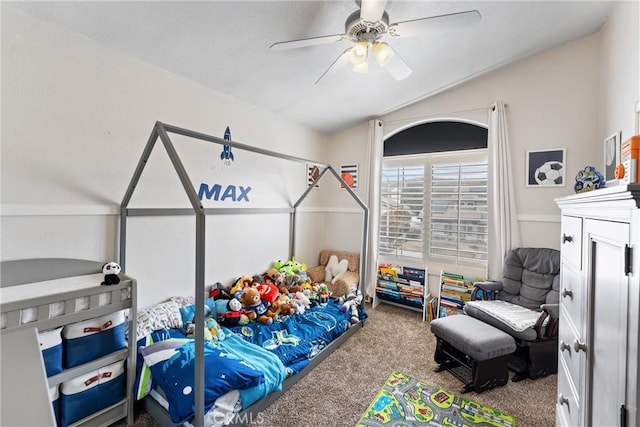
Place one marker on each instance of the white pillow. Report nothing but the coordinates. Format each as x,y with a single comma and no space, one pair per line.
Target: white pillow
335,268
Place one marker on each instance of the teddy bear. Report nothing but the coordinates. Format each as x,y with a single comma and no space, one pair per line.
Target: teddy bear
111,271
274,310
257,308
350,301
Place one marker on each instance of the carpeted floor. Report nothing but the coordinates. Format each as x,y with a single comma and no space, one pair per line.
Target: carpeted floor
340,389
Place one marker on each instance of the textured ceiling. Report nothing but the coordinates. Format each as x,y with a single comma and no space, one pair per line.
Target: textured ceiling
224,45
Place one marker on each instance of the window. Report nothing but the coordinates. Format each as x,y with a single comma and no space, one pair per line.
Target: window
458,211
434,208
402,211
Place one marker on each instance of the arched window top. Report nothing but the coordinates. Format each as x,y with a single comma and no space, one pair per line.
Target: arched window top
435,137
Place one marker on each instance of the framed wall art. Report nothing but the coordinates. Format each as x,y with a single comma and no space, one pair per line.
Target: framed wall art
313,173
546,168
611,147
349,174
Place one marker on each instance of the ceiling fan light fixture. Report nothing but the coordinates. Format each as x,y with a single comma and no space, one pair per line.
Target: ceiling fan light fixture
383,53
362,67
359,53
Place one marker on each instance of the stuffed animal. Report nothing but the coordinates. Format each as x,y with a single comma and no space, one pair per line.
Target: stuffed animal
217,334
111,271
300,302
335,268
219,291
238,287
268,291
323,293
274,310
257,308
350,301
285,305
230,312
190,331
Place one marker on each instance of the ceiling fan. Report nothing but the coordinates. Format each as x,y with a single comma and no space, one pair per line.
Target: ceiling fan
366,28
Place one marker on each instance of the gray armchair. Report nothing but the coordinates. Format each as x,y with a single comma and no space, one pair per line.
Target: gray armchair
525,305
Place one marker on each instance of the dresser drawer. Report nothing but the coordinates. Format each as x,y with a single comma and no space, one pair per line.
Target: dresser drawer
567,406
572,360
572,296
571,243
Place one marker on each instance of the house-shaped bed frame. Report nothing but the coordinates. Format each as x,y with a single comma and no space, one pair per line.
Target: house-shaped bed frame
162,131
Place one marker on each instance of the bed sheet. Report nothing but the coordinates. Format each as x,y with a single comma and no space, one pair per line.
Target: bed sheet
296,339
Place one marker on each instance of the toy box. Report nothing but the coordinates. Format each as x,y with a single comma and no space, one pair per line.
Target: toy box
51,347
628,171
93,338
91,392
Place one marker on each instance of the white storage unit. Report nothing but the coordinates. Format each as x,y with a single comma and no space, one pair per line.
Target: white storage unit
45,294
598,368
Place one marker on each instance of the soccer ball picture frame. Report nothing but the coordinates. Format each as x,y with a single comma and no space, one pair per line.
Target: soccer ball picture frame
546,168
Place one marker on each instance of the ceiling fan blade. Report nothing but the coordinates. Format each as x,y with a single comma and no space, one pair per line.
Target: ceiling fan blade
372,10
313,41
336,65
435,23
398,68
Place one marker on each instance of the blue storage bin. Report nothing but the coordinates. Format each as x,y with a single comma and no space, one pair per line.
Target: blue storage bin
51,346
93,338
92,392
54,396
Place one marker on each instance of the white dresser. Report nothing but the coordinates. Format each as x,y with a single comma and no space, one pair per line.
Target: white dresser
598,366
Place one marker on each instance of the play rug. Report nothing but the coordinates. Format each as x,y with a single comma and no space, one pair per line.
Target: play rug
404,402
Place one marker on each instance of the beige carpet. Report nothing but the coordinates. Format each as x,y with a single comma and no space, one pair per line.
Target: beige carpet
340,389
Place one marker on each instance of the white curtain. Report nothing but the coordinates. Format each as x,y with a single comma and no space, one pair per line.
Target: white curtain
375,152
504,230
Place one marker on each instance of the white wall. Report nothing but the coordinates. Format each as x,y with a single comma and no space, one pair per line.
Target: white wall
76,117
620,67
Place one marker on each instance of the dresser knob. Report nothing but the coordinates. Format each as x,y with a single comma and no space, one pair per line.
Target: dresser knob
577,346
566,238
562,400
567,293
564,346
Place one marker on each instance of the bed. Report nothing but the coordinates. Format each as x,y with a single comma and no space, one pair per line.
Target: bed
258,362
41,298
263,340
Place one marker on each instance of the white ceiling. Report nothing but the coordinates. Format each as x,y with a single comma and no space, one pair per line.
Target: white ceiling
224,45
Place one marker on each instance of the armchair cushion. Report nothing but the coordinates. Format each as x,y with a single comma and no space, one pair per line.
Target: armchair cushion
517,321
531,277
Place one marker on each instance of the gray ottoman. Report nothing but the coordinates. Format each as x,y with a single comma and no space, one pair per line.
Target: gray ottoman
478,348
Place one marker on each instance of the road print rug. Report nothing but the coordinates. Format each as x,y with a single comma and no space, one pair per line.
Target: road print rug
407,402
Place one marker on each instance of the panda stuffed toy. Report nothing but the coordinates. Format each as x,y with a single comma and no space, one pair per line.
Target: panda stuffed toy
111,271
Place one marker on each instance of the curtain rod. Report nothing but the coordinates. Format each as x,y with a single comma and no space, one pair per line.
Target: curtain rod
441,114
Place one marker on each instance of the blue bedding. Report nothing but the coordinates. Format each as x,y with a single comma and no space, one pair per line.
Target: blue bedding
254,359
260,360
296,339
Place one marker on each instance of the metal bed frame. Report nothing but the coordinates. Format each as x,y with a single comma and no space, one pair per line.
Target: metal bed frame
162,131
